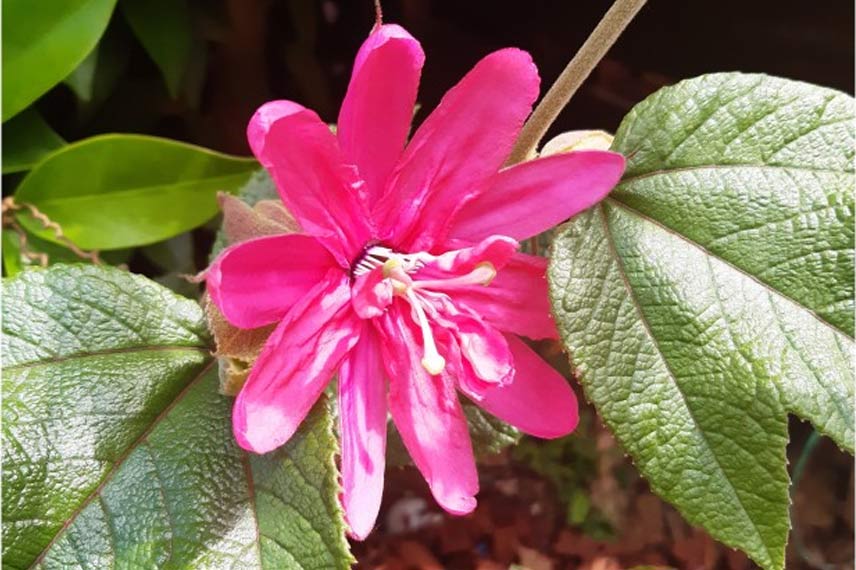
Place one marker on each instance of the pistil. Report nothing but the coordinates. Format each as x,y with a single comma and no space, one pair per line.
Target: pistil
398,268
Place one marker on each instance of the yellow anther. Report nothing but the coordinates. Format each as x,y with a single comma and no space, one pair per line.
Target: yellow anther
433,363
484,273
390,265
398,288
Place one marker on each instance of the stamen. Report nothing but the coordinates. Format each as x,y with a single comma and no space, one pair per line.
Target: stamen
483,274
390,265
432,361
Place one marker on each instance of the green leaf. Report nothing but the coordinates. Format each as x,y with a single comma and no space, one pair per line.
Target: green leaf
82,79
26,140
12,262
118,447
173,255
712,293
117,191
33,251
188,497
489,435
42,45
295,491
95,78
164,28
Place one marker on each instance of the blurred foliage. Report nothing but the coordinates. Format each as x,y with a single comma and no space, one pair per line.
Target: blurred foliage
572,464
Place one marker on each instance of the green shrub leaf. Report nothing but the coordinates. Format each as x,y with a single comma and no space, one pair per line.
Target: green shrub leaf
12,261
712,293
26,140
117,191
164,28
42,44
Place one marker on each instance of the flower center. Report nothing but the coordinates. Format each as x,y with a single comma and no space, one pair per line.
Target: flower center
400,269
376,255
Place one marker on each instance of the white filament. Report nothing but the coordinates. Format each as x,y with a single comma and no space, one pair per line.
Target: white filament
432,360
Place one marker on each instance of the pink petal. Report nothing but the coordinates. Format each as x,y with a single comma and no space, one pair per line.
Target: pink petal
255,282
480,350
377,111
516,301
529,198
317,187
295,365
429,417
539,401
458,149
362,425
371,294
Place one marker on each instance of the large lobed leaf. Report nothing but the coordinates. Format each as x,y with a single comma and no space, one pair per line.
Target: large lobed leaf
118,449
75,340
117,191
712,293
43,42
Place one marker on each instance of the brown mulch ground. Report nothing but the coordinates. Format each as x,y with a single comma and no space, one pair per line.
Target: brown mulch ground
522,521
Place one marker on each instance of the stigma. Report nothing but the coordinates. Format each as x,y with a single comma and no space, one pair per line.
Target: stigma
402,272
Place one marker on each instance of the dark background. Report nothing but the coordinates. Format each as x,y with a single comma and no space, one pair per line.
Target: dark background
256,50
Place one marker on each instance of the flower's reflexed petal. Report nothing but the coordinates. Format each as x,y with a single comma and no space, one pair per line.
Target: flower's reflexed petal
457,149
317,187
485,360
496,250
539,401
516,300
428,416
529,198
378,108
255,282
362,425
295,365
371,294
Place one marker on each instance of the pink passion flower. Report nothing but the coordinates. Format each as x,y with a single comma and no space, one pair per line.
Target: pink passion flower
406,279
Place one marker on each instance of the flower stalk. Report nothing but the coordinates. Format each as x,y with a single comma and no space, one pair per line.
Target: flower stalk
589,55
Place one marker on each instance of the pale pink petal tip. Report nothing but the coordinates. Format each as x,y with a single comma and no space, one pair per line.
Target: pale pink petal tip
455,504
362,507
268,430
264,118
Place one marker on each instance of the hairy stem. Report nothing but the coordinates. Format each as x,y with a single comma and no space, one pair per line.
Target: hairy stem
595,47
